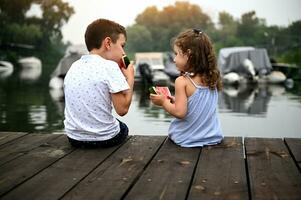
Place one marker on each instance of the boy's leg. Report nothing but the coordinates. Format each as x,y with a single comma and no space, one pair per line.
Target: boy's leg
83,144
74,143
118,139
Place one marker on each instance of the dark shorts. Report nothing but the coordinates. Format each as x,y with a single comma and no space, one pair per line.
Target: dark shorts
116,140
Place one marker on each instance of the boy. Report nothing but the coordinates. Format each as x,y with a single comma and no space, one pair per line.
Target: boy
93,84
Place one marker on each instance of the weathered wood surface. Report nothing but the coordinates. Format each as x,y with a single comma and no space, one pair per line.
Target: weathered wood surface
272,170
169,174
295,149
45,166
8,136
221,172
17,171
22,145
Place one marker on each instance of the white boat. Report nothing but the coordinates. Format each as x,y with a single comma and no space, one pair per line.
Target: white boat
247,77
6,69
150,68
31,68
274,77
30,62
72,54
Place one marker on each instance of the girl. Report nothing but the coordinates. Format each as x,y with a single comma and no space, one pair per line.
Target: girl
196,92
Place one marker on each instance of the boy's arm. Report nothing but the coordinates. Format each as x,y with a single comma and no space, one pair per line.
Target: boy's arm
122,100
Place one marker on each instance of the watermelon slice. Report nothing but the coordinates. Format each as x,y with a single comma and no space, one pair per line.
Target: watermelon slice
164,90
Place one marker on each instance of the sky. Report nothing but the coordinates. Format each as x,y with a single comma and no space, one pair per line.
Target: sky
124,12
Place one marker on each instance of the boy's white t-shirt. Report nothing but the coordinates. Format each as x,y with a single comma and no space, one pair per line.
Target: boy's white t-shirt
88,107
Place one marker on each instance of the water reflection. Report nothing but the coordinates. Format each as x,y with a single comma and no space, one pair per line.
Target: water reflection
25,104
6,69
57,96
30,74
33,107
248,99
243,99
37,116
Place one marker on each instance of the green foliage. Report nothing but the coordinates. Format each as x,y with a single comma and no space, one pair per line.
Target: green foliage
138,35
55,14
22,35
155,28
228,26
248,25
292,56
165,24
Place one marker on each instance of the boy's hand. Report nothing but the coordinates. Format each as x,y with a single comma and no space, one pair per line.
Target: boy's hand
129,72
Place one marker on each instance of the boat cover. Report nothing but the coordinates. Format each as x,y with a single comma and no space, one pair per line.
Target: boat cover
72,54
231,59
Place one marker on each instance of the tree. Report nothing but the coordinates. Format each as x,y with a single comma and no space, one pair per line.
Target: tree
19,30
55,14
248,24
228,26
166,24
290,43
140,39
227,30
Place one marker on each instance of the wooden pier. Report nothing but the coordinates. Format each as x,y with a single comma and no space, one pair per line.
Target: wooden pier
45,166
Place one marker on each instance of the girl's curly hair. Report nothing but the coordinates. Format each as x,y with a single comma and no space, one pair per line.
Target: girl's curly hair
201,56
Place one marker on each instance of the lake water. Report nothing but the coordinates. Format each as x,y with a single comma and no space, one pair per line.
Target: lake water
27,105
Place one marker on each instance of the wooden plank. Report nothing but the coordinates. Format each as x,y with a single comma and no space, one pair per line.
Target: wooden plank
9,136
113,177
294,145
22,146
19,170
221,173
272,172
56,180
169,174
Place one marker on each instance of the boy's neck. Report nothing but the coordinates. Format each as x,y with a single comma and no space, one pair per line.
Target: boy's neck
99,52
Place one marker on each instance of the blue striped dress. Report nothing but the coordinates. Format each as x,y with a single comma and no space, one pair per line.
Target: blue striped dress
201,125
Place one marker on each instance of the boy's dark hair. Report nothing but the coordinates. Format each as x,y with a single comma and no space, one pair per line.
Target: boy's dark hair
201,56
99,29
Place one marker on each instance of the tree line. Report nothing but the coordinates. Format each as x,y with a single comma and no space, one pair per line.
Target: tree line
153,30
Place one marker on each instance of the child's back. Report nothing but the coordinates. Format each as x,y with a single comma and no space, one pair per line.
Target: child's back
201,125
87,95
95,84
196,92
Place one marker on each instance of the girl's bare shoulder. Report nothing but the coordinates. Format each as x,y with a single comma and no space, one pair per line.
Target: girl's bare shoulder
180,81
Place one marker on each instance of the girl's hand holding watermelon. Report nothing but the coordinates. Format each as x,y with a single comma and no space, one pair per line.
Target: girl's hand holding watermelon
160,94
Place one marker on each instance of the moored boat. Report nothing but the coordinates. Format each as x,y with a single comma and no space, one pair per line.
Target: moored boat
247,65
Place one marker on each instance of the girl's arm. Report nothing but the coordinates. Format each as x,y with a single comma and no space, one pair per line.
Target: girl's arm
179,108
